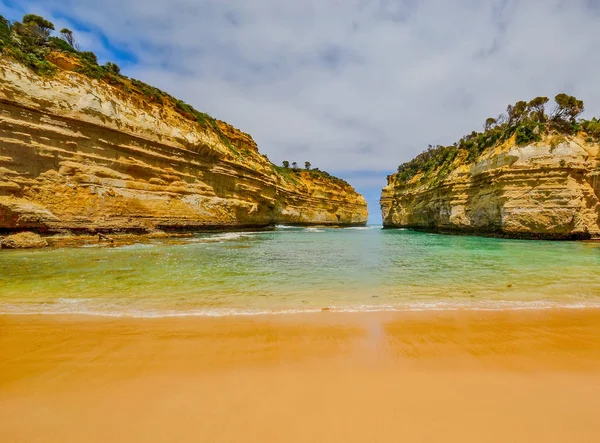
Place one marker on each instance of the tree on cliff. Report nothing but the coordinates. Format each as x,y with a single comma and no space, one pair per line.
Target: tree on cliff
527,122
286,164
113,68
537,108
35,28
489,123
567,106
516,112
567,109
30,43
294,165
67,35
307,166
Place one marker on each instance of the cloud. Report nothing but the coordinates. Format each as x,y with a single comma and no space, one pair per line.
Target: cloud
354,85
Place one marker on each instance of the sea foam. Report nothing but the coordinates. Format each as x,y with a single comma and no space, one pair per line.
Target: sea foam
87,307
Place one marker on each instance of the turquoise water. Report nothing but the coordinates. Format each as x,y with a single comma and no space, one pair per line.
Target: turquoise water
301,269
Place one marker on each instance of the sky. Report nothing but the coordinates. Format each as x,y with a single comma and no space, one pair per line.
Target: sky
356,87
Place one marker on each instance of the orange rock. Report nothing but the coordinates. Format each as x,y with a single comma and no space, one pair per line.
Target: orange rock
86,155
23,240
63,61
542,190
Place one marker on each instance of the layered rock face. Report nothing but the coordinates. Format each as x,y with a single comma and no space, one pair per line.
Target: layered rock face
549,189
81,155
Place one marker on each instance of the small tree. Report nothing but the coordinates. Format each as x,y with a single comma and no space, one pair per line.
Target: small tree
489,123
286,164
36,27
67,35
567,107
563,118
307,166
294,165
537,108
516,112
36,20
113,68
501,119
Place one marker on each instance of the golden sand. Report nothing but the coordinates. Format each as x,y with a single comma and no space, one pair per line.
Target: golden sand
454,376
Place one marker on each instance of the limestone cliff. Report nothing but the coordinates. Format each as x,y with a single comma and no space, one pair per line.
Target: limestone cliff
544,189
80,154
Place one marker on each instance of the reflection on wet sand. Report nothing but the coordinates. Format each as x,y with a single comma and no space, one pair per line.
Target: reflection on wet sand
428,376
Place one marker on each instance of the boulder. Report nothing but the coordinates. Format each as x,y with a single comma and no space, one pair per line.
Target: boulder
23,240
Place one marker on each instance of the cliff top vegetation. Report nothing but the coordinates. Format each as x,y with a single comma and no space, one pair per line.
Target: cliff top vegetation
31,43
293,170
528,122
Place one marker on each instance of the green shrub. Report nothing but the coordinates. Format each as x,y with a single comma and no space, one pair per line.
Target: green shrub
4,32
91,70
528,132
89,57
151,92
33,43
60,45
33,61
526,121
112,68
591,127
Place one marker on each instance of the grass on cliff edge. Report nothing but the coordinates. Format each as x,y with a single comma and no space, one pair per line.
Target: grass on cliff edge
527,122
30,42
294,174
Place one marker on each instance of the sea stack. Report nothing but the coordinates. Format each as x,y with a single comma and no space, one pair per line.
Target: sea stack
528,175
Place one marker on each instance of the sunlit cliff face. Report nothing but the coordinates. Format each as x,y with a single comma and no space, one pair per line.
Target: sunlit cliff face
79,154
542,190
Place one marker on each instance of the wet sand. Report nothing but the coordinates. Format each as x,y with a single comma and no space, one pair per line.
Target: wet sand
520,376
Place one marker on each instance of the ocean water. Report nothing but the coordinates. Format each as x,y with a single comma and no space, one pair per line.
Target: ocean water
301,270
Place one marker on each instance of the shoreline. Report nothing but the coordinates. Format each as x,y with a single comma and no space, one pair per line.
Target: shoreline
112,238
327,315
531,236
480,306
350,377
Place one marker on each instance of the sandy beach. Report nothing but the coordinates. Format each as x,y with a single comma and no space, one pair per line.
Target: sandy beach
518,376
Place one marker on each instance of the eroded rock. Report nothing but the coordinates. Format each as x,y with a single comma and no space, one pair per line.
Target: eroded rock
23,240
82,155
533,191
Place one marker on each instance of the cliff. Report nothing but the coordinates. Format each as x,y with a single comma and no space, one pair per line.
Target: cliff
549,188
81,154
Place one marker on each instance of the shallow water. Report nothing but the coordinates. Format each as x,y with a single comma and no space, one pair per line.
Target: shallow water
302,269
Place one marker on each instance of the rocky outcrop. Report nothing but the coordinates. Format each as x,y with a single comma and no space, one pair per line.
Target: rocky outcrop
82,155
549,189
23,240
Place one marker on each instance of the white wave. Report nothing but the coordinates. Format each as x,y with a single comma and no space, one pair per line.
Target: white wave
219,238
314,230
362,228
73,301
136,246
229,236
78,307
286,227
